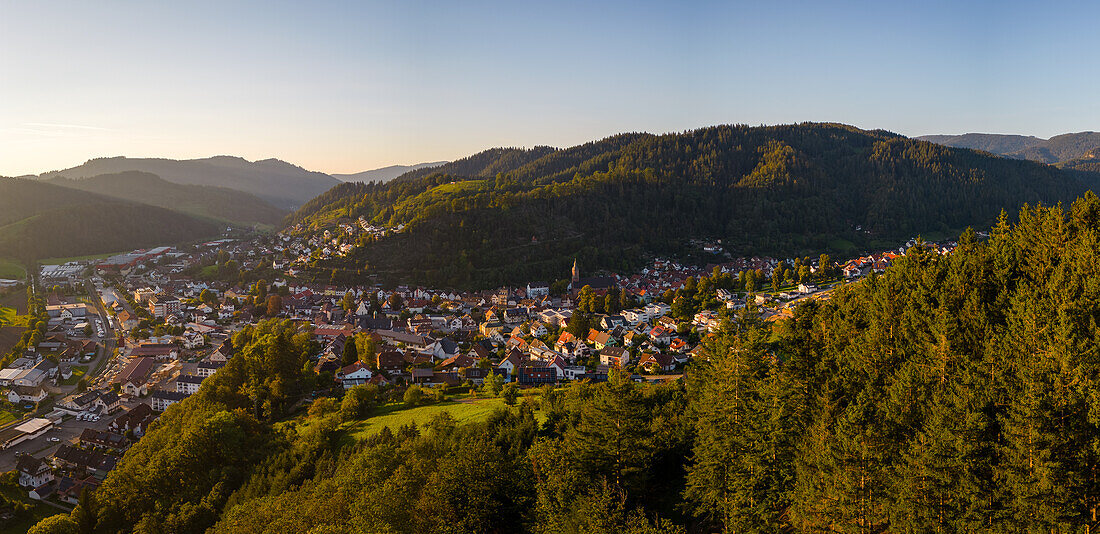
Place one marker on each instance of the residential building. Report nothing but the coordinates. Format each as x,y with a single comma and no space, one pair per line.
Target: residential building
355,374
206,368
136,420
615,356
33,472
163,306
161,399
657,362
189,384
106,441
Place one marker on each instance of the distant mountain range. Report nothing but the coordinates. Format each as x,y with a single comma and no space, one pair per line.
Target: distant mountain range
385,174
507,215
43,220
1060,149
280,183
217,203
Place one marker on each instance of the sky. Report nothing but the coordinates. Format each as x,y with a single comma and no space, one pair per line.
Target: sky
346,87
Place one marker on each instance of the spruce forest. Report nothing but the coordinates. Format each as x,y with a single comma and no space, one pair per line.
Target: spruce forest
508,216
954,393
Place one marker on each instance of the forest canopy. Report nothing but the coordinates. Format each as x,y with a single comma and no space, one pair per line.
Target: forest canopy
512,215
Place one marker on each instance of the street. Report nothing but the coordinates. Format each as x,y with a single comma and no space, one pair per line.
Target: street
70,428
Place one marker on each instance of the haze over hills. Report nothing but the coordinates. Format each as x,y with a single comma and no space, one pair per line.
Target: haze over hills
1088,165
278,182
1057,149
385,174
993,143
42,220
210,202
783,190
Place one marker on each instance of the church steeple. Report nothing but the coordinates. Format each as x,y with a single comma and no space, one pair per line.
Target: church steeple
576,271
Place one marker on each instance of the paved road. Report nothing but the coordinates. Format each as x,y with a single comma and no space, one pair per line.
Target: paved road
111,334
69,429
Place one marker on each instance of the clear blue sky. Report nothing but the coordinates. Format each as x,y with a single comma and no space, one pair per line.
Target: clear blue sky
344,87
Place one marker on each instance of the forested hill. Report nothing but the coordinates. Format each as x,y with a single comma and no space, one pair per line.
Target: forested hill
509,215
385,174
204,201
41,220
1057,149
954,393
276,181
1002,144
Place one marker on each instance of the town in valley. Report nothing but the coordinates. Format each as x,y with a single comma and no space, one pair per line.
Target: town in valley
118,340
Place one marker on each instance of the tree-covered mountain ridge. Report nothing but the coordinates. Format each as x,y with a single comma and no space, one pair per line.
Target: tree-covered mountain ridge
509,214
43,220
209,202
1056,150
283,184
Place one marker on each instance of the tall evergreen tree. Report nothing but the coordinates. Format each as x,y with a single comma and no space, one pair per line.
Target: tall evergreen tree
351,352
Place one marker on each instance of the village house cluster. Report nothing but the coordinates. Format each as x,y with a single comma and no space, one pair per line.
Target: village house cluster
171,330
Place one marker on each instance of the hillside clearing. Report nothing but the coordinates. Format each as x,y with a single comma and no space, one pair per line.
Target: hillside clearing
465,411
11,270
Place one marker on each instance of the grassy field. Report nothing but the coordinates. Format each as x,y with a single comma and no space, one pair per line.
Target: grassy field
842,245
9,336
16,300
438,192
11,270
11,305
396,415
6,417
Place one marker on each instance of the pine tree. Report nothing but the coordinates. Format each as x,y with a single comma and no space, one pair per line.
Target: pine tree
351,352
611,438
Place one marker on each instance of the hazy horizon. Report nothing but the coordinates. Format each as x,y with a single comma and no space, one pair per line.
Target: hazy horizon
343,89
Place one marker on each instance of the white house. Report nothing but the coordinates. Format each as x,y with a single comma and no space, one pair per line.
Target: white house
108,402
19,394
33,472
188,384
573,372
537,289
355,374
660,335
657,309
558,363
161,399
633,317
193,340
537,329
510,363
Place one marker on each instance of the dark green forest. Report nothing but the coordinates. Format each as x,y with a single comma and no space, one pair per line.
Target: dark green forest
512,215
1060,149
40,220
204,201
952,393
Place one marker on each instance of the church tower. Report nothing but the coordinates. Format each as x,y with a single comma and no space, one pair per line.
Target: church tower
576,271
